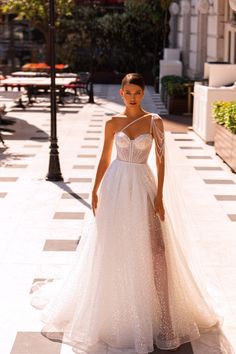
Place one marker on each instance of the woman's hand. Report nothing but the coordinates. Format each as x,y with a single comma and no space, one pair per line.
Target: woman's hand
94,201
159,208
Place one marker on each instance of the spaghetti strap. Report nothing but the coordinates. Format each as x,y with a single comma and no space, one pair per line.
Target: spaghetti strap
126,126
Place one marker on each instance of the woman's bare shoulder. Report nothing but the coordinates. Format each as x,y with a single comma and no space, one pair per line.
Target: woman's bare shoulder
114,121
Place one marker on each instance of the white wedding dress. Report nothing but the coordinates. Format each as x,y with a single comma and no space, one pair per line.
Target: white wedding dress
131,286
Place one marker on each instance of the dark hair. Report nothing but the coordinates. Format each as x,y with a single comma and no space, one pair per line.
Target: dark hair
133,78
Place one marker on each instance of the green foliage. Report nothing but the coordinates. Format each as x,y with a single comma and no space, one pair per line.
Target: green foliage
224,113
140,34
174,85
36,11
95,39
99,40
78,44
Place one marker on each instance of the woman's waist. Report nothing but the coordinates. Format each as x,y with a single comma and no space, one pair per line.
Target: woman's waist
131,162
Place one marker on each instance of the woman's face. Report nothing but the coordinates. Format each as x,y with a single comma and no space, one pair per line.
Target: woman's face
132,95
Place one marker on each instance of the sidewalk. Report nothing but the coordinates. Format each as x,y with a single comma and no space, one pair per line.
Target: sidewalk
41,221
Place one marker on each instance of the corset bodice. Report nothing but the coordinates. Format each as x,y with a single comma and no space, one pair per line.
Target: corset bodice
133,150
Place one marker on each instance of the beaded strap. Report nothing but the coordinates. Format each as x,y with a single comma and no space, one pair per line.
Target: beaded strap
159,137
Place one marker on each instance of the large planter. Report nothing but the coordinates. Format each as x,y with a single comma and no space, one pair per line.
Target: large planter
176,105
225,146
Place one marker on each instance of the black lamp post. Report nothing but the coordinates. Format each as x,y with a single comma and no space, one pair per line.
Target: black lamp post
54,172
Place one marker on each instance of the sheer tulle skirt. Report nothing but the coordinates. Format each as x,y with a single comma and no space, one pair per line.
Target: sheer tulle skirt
130,286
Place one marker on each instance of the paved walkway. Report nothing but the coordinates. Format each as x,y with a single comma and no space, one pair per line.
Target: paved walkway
41,221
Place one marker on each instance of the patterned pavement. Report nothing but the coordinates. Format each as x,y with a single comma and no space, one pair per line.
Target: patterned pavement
41,221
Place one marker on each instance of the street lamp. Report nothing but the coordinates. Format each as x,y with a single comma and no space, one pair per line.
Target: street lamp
54,172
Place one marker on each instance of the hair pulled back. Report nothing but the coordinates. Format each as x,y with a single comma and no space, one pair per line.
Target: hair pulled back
133,78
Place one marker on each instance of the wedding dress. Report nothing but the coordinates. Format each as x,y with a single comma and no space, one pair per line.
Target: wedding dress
131,285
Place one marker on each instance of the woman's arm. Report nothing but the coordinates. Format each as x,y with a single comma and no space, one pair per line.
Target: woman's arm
103,162
158,133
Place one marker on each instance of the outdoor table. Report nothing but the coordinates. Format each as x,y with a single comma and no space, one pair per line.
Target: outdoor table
35,81
72,75
29,74
32,83
41,74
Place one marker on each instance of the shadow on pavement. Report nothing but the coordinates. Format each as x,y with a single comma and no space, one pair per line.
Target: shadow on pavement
20,130
64,186
23,131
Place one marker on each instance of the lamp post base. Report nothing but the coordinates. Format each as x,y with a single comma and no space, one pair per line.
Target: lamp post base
54,171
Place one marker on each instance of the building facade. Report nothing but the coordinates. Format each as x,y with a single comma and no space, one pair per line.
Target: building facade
204,31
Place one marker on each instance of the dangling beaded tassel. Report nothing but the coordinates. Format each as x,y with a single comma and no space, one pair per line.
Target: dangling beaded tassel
159,137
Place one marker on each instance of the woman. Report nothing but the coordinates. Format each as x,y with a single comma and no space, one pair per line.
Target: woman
131,286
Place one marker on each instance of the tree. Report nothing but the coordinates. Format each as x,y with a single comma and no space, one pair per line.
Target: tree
36,12
160,8
146,19
90,37
79,43
101,40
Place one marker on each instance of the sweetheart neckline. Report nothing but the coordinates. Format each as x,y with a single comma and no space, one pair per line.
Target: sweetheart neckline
135,137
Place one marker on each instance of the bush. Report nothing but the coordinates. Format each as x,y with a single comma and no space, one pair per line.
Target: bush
224,114
174,85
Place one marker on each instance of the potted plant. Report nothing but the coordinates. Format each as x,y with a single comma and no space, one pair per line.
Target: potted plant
174,93
224,114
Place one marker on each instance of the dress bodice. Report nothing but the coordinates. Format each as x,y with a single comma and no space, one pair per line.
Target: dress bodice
133,150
